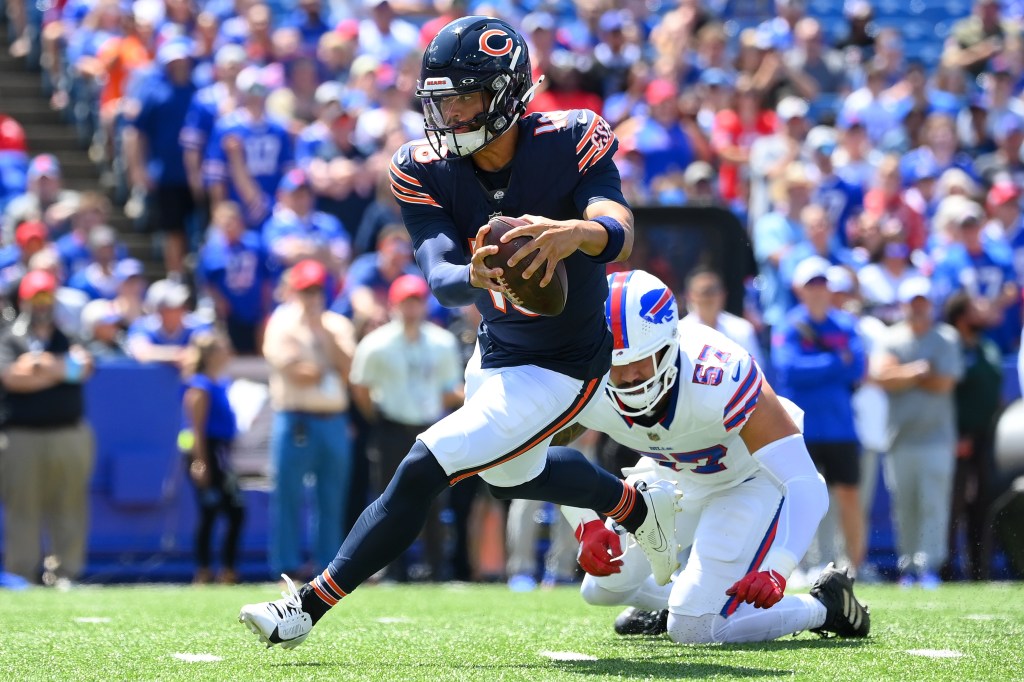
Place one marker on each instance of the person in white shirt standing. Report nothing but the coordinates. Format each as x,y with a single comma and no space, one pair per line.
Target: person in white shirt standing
705,303
405,376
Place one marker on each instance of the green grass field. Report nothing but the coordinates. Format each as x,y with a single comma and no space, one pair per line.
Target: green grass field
484,633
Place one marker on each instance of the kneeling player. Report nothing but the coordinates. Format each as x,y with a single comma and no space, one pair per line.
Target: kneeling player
696,405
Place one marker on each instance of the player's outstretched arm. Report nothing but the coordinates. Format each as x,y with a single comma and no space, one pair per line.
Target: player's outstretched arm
777,444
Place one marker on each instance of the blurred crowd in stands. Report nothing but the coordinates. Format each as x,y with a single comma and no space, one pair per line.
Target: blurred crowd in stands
252,140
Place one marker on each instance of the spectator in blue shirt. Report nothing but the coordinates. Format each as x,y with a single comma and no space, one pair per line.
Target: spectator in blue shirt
308,19
207,106
841,199
1006,227
330,135
296,232
233,270
164,334
984,271
153,152
819,240
660,135
211,421
249,152
364,297
93,210
98,279
819,360
775,234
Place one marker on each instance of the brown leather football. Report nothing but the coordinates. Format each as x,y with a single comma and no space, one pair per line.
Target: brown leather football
524,293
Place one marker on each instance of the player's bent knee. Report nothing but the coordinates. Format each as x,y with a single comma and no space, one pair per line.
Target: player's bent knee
419,473
684,629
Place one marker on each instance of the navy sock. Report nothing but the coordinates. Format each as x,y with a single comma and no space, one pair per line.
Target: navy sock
568,478
383,531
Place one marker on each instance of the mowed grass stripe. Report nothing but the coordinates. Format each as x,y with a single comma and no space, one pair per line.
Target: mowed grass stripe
484,633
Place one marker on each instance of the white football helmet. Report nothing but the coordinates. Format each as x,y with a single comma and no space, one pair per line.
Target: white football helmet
643,317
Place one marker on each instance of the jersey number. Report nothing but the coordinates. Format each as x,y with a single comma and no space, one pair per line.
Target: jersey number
262,154
707,374
708,460
550,122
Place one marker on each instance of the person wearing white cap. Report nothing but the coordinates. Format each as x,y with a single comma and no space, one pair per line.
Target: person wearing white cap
819,239
101,329
164,334
249,151
771,155
819,359
918,364
155,163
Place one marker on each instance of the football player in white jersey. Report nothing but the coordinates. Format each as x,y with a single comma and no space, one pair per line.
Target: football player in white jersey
697,406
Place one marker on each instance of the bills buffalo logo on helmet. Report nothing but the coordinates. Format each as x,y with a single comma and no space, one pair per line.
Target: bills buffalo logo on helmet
654,306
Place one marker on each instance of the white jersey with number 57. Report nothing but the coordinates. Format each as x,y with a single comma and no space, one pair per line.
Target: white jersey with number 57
698,438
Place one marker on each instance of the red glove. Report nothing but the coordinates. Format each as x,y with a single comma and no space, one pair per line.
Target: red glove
597,547
763,589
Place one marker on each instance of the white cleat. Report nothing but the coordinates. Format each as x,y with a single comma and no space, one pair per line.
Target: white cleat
656,536
278,622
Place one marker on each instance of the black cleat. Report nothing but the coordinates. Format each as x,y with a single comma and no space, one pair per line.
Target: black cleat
633,621
845,616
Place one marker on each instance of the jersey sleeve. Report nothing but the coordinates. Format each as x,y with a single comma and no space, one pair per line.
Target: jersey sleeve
403,172
435,238
723,385
197,126
215,162
595,145
743,392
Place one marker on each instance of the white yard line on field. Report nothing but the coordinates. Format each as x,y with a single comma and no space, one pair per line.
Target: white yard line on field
197,658
935,653
567,656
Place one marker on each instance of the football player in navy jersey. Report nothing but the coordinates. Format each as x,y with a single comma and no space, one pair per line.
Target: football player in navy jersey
530,375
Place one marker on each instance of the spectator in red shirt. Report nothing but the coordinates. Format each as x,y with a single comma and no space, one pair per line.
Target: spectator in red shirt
887,200
734,131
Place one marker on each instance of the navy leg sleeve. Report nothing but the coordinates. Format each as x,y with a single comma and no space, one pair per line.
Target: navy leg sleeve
389,525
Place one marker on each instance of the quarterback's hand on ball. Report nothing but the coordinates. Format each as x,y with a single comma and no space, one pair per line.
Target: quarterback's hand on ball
597,547
763,589
553,240
481,276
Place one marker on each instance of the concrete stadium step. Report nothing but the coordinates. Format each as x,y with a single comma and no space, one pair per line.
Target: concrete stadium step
22,97
31,111
52,138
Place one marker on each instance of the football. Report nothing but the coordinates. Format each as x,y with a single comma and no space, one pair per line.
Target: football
526,294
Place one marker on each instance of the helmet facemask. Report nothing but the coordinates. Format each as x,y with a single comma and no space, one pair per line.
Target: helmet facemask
509,93
633,401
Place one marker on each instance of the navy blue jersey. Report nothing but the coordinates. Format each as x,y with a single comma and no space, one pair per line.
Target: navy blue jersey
160,115
206,107
238,271
562,164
